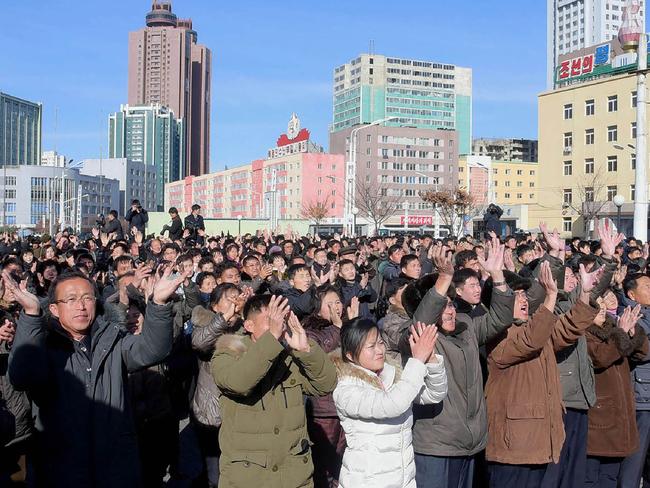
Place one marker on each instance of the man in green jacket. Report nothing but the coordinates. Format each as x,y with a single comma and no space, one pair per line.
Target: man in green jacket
263,376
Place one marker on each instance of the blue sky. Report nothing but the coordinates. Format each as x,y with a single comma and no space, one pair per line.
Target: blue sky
269,59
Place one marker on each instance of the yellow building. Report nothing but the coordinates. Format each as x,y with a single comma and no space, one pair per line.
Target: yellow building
510,182
587,135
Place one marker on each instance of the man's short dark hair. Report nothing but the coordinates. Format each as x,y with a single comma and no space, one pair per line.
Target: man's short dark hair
172,210
200,278
631,282
113,213
135,202
255,305
196,206
248,258
171,245
224,266
205,260
294,268
523,249
124,258
394,248
406,259
463,257
69,275
462,275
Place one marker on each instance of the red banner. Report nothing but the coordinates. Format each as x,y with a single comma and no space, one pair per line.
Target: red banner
418,220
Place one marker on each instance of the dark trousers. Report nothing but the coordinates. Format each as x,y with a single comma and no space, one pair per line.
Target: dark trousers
572,468
158,445
516,475
208,439
443,471
602,472
327,451
632,466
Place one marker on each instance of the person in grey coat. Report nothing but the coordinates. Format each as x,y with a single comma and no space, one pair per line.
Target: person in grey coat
74,366
448,437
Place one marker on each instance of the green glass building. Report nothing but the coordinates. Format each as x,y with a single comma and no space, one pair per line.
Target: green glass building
149,134
420,94
21,131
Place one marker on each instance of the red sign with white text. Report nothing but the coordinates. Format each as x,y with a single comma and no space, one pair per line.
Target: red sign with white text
418,220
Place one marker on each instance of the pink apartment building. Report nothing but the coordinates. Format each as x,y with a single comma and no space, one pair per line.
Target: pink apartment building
168,67
296,173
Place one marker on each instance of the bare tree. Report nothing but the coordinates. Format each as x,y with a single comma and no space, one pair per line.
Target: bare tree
453,205
375,203
316,211
587,198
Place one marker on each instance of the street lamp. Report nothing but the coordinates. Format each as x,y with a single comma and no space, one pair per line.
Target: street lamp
239,225
355,211
351,168
619,200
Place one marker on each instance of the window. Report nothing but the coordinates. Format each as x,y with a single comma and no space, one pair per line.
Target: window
632,192
568,111
612,163
531,184
589,166
508,171
612,103
384,153
612,133
567,196
368,164
506,195
633,161
568,168
611,192
520,184
568,140
519,196
532,172
633,130
590,107
589,194
520,172
368,151
10,193
507,182
589,136
567,225
633,99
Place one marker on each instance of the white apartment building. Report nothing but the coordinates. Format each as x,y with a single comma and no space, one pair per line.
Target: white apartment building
575,24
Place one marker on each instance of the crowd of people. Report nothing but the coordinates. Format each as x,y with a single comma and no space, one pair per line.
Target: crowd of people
285,360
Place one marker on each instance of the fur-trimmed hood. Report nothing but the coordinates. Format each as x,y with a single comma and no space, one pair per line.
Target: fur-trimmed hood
202,316
234,343
625,344
346,371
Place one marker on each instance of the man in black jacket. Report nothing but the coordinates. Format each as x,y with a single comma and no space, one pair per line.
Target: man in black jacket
74,365
112,225
176,227
136,216
194,223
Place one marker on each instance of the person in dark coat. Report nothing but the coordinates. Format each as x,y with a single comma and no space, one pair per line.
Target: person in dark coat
350,286
112,225
136,216
176,226
492,218
74,368
195,225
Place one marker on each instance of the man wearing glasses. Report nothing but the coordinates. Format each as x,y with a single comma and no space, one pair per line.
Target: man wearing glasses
74,365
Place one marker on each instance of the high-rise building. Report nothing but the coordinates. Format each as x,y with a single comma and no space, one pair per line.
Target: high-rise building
53,158
576,24
149,135
506,149
20,131
168,67
421,94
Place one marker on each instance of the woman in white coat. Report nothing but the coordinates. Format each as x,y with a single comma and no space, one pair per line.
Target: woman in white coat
373,399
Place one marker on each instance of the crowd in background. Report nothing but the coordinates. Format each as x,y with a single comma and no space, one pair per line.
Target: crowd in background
286,360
